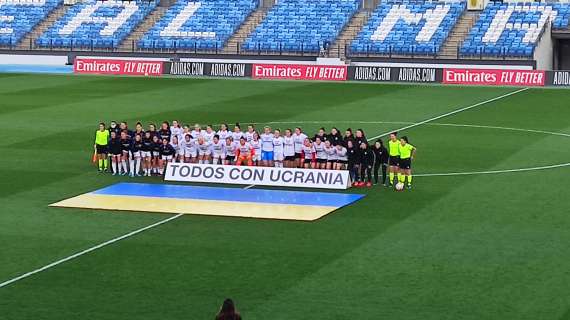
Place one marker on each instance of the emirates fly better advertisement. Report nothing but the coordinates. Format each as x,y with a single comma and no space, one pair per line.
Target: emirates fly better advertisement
118,67
299,72
527,78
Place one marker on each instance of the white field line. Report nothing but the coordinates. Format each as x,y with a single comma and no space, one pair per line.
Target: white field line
80,253
468,173
450,113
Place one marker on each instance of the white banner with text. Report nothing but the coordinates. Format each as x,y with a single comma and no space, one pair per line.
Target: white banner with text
263,176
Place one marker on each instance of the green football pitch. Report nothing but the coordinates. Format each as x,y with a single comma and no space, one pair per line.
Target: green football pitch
484,234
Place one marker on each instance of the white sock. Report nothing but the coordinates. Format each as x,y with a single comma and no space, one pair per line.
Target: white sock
132,166
124,165
137,166
115,167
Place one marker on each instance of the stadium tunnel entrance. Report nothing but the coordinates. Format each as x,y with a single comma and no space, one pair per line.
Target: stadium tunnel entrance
561,51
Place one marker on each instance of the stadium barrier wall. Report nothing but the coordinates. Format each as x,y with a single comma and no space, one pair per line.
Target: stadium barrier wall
449,76
208,69
558,78
395,74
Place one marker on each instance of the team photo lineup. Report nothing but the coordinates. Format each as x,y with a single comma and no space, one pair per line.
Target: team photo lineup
141,152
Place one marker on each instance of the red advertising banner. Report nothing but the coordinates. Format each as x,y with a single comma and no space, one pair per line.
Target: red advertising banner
526,78
118,67
299,72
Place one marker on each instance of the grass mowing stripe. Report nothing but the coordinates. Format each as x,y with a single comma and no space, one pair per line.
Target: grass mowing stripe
78,254
451,113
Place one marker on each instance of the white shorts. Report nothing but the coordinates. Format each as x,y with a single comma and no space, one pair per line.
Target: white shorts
203,152
156,154
167,158
190,154
145,154
278,156
136,154
256,157
180,154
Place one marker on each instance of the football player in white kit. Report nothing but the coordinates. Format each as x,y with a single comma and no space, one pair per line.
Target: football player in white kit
175,130
249,133
179,155
223,133
190,152
299,140
308,154
197,132
256,145
185,131
230,151
209,133
218,148
341,157
319,146
204,151
289,149
237,134
267,147
330,151
278,146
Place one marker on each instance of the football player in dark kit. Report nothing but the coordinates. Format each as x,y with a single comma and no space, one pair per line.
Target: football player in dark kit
353,160
164,132
136,156
126,146
167,153
156,145
147,153
366,164
381,155
116,151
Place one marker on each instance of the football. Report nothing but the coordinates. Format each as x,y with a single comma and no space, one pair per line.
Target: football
399,186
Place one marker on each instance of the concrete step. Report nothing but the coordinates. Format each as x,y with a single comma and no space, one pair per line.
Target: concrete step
458,34
244,31
129,44
28,42
347,34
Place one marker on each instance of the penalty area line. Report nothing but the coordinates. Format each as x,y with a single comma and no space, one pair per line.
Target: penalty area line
413,125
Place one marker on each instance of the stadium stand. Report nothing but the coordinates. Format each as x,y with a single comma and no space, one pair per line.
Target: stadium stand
408,28
513,29
19,17
301,25
96,24
203,25
563,15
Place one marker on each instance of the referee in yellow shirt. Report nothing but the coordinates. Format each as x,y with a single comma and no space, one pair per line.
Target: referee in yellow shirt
393,156
407,153
101,142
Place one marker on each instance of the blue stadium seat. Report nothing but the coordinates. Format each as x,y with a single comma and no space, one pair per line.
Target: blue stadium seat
301,25
412,27
97,24
513,29
204,25
19,17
